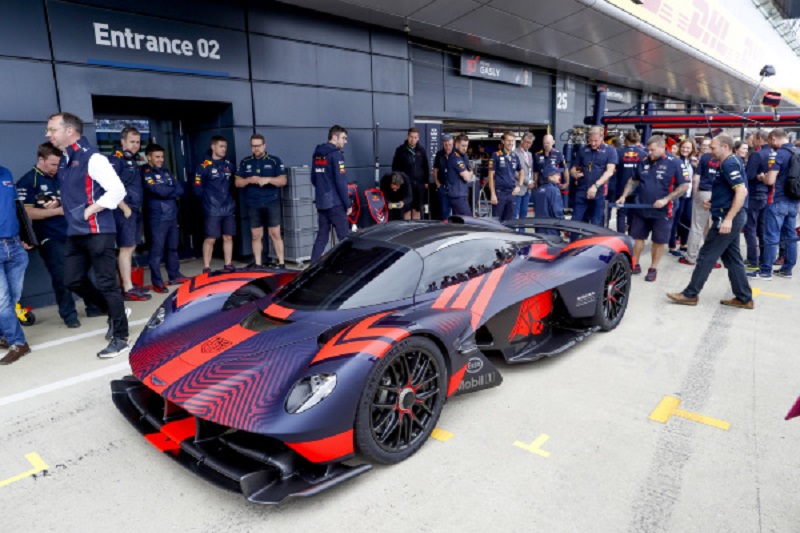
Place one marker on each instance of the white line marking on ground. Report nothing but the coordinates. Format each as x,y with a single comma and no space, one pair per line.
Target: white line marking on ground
80,336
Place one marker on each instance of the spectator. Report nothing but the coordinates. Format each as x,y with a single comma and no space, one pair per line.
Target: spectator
212,183
727,200
659,180
505,179
262,175
780,217
758,193
740,149
629,158
526,161
682,212
13,261
547,202
593,167
411,158
458,175
128,217
39,190
440,173
91,231
396,189
707,169
330,190
163,190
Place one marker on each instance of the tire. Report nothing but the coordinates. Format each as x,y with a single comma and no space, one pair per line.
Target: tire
614,294
30,319
393,419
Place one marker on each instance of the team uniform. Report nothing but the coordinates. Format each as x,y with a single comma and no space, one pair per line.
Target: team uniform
162,191
628,158
129,230
212,183
13,262
657,179
263,203
593,164
547,203
329,177
780,217
440,164
757,194
545,163
457,189
506,167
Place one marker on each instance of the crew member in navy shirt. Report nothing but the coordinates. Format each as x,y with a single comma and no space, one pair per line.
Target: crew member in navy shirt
629,157
90,191
726,209
329,177
440,174
505,179
261,175
594,165
212,183
707,169
659,180
757,194
547,202
458,176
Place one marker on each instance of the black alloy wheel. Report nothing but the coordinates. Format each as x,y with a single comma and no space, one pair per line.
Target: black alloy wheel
616,289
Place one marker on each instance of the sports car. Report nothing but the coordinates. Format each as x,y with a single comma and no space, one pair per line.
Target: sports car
276,383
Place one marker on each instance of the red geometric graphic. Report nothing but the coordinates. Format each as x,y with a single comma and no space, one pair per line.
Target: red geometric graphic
532,313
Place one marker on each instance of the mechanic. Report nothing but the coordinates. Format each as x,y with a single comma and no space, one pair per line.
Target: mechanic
261,176
523,153
13,261
440,174
330,190
411,158
758,193
212,183
547,202
548,156
91,231
629,157
780,215
707,169
659,180
458,176
396,188
593,167
729,191
505,179
128,217
39,190
162,189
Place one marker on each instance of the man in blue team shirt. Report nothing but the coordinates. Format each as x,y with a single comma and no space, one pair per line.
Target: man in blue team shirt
780,215
13,261
458,176
163,190
725,207
261,176
594,165
329,177
440,174
757,194
128,217
505,179
547,202
659,180
212,183
629,157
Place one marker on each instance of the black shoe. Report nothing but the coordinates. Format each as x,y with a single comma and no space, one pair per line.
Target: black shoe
72,324
115,347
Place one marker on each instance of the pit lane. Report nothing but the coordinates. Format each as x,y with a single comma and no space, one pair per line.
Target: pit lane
566,444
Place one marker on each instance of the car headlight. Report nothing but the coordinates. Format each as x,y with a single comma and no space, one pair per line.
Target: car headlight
309,391
157,319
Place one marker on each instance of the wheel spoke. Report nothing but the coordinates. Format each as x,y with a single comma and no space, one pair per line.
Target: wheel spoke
419,372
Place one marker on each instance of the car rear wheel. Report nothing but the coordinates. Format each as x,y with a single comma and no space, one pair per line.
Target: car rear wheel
613,300
401,403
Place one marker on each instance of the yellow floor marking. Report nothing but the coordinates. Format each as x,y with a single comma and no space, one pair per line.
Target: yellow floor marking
534,446
757,292
37,464
669,408
441,435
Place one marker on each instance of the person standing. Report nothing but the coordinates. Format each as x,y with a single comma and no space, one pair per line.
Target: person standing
659,180
440,174
411,159
505,179
13,261
212,183
593,167
458,176
707,169
758,194
547,202
728,218
329,177
128,217
90,191
629,157
682,212
523,153
261,176
162,192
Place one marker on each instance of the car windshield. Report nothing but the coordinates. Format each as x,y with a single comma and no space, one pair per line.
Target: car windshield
357,273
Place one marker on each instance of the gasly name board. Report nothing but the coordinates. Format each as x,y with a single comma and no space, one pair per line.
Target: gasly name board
476,66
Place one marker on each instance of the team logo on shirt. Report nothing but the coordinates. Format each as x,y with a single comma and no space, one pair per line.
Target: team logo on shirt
206,163
341,168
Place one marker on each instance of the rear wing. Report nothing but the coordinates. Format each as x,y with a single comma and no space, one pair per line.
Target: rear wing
583,229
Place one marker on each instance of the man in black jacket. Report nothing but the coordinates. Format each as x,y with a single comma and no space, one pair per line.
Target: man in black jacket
396,189
411,158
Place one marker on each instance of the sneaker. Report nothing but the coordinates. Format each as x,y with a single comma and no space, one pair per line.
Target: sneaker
281,266
135,296
140,289
636,270
207,270
115,347
178,281
14,353
736,302
779,261
228,268
679,298
72,324
685,261
160,288
676,253
783,274
652,273
751,266
252,265
759,275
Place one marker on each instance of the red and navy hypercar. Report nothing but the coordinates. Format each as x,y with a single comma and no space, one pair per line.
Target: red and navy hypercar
267,381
